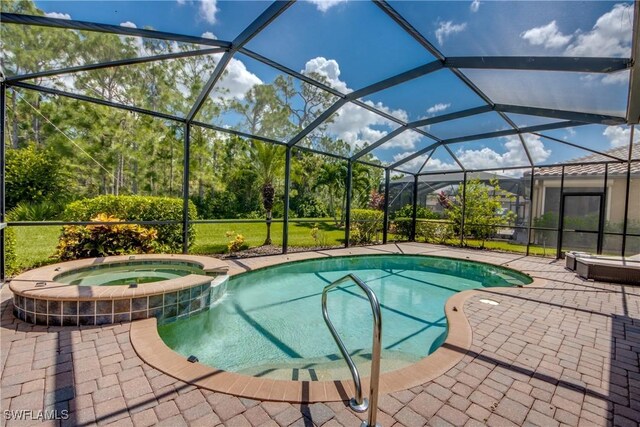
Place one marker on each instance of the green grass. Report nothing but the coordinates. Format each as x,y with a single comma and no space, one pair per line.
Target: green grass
211,238
512,247
36,245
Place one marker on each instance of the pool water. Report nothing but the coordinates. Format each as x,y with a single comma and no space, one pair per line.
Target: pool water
270,321
128,273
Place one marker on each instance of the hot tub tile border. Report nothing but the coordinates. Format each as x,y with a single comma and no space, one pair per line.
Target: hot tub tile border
196,297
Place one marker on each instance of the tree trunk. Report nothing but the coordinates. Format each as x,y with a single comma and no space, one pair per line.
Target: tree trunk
134,181
268,195
171,171
14,125
36,122
267,241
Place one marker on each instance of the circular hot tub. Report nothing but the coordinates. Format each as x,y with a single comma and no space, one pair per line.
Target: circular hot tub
100,291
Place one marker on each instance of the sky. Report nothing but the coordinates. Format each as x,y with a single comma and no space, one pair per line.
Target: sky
354,44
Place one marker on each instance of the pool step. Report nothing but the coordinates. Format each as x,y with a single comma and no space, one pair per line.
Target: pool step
329,367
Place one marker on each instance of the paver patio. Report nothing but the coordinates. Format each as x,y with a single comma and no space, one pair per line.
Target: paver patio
564,354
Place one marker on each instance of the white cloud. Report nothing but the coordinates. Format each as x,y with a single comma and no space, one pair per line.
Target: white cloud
128,24
437,108
208,35
488,158
328,68
547,35
474,6
536,148
415,164
57,15
445,29
618,136
181,2
514,155
237,80
324,5
355,125
620,77
208,10
609,37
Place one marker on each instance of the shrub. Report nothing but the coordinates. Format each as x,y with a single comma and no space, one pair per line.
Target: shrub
402,227
483,212
319,237
308,207
404,218
434,231
105,239
43,211
366,224
237,243
10,258
139,208
421,212
33,175
221,204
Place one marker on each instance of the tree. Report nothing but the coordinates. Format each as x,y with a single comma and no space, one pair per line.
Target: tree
267,160
483,212
33,175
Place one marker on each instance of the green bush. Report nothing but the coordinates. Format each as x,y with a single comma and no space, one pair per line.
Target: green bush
402,227
10,258
421,212
434,231
403,219
139,208
105,239
43,211
33,175
215,205
366,224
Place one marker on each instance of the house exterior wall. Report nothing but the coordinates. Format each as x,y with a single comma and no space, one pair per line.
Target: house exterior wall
616,189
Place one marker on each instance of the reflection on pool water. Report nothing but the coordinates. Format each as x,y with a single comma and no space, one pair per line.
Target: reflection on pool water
270,321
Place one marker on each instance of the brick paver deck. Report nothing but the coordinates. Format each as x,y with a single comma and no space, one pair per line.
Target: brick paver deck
565,354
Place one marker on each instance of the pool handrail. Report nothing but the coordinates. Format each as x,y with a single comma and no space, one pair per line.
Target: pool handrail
358,403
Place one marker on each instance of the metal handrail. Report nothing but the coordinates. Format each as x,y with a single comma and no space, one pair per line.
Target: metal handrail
358,403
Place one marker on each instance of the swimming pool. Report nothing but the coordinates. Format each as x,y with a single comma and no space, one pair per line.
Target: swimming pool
270,322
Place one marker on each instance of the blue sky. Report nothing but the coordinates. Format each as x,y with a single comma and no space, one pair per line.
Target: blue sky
354,44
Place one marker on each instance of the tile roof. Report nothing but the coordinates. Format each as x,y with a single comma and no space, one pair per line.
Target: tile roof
596,169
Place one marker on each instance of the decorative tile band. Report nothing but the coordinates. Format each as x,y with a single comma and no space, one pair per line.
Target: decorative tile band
164,306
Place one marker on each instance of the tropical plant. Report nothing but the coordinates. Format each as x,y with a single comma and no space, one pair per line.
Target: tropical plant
268,161
236,243
105,239
483,212
43,211
139,208
366,225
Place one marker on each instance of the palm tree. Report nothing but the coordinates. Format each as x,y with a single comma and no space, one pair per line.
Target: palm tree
333,177
267,160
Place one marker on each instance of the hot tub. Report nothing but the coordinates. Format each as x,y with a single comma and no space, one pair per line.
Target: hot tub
100,291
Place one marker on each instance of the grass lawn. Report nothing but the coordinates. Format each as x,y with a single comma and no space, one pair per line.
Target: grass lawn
211,238
36,245
512,247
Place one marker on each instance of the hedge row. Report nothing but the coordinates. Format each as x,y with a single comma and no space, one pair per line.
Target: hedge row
139,208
